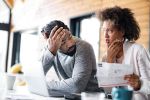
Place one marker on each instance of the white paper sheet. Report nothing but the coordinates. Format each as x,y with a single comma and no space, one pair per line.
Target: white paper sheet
112,74
14,96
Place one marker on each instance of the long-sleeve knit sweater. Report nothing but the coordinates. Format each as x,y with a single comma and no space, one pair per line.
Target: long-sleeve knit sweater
80,69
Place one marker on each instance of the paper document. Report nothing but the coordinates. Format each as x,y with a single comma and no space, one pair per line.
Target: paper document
13,96
112,74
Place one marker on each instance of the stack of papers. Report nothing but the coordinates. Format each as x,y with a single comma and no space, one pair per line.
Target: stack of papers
112,74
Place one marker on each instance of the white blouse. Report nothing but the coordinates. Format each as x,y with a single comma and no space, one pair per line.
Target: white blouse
136,56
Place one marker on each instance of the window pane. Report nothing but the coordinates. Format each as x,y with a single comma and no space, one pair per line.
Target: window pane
90,33
3,49
4,12
28,48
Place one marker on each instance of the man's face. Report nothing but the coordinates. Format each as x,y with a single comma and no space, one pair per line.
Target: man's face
110,32
68,45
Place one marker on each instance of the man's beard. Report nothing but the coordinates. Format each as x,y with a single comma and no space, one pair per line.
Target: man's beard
71,51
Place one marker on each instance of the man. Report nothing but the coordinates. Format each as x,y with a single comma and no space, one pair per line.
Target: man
72,58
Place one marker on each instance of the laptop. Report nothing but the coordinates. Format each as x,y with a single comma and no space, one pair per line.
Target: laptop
36,80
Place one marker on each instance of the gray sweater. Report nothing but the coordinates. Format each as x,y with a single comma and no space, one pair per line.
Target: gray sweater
80,69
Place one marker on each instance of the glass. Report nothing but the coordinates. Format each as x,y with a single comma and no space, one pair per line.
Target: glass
10,80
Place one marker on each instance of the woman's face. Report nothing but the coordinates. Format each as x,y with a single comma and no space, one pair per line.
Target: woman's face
110,32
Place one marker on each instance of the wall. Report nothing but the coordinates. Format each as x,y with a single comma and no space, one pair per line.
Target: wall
47,10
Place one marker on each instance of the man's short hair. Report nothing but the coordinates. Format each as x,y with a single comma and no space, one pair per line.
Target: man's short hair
48,27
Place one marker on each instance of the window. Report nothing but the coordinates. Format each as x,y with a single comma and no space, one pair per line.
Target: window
29,47
4,15
87,28
3,49
4,35
25,47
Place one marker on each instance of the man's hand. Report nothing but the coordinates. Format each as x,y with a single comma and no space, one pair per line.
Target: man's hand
114,50
55,39
134,81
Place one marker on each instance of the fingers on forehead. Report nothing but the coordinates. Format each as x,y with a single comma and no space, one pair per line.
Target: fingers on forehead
63,36
58,33
53,31
59,30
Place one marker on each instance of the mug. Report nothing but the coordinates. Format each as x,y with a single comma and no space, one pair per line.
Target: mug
121,93
92,96
10,80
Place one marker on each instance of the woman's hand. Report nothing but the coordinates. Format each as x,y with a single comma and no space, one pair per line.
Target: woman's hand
113,51
134,81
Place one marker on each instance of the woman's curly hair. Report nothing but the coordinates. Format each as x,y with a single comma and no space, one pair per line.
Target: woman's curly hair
123,20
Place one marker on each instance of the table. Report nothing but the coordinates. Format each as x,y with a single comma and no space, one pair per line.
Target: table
22,93
19,92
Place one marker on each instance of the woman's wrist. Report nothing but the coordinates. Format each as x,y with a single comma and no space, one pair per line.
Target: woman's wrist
138,86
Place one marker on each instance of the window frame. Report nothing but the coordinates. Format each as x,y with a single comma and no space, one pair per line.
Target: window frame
16,48
75,23
15,58
75,27
7,27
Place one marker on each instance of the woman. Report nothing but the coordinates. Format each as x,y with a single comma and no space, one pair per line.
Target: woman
121,31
